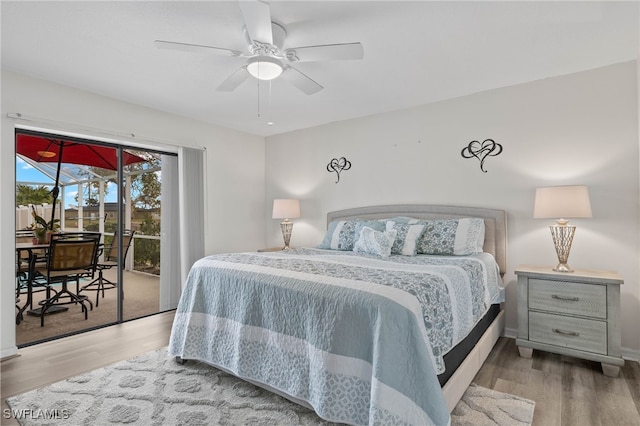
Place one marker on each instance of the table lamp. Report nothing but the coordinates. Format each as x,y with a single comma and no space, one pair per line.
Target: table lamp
286,209
562,202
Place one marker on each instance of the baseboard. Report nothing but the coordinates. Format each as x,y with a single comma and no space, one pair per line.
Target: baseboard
630,354
510,332
8,353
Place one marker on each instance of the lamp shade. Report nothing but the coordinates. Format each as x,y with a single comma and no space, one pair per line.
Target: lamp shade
286,208
571,201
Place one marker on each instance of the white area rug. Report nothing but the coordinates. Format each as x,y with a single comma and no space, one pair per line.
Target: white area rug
152,389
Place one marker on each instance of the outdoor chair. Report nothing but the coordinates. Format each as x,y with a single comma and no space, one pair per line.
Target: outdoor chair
100,284
71,256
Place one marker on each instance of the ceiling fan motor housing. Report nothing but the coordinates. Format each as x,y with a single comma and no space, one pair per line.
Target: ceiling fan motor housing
278,35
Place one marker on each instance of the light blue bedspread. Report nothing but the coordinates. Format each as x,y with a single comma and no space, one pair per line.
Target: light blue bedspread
358,338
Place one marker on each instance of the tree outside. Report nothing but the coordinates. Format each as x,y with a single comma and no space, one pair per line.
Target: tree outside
145,197
27,194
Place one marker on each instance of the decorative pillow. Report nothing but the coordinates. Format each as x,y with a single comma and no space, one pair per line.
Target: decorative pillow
376,225
342,234
407,237
453,237
374,242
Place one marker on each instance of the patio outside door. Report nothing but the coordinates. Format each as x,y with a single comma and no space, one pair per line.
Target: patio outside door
114,203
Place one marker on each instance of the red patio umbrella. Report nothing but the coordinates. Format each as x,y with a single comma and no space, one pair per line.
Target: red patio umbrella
44,149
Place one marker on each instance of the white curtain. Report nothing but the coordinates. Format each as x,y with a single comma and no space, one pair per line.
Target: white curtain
169,235
191,178
182,221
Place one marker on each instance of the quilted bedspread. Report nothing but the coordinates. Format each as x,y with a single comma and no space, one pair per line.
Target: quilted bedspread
358,338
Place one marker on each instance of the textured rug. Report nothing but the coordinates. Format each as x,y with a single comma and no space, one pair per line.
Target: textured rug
152,389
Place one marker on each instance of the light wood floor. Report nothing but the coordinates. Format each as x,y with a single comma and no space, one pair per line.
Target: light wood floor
567,391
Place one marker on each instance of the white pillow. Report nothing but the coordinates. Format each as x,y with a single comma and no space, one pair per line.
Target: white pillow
342,234
375,242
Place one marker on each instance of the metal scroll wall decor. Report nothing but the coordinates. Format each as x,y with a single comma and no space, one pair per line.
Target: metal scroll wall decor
338,165
488,148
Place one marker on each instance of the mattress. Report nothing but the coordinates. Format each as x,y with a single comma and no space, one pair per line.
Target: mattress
457,355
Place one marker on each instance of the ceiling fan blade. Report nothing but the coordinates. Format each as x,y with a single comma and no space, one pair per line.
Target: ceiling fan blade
300,80
198,48
257,20
234,80
326,52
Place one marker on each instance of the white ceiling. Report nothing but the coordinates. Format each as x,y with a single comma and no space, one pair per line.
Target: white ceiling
415,52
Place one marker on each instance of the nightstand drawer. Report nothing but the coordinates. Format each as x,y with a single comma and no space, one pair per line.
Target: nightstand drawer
576,333
568,298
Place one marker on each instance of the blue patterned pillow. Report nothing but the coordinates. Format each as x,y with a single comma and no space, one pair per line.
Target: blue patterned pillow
341,234
452,237
374,242
407,237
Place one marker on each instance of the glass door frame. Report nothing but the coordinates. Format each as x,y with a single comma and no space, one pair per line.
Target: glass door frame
120,215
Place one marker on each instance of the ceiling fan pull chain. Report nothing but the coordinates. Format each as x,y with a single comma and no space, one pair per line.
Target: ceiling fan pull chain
269,100
269,121
258,98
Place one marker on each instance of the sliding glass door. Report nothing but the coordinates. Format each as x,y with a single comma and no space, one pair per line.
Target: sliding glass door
121,198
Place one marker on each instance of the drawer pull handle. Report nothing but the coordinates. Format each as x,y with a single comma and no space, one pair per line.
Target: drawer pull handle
566,333
565,298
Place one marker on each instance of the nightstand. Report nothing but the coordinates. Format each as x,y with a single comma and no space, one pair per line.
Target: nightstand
570,313
269,249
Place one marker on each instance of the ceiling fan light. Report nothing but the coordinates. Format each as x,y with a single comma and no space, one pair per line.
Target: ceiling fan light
264,67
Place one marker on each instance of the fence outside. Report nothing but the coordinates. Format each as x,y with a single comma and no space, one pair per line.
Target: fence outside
24,218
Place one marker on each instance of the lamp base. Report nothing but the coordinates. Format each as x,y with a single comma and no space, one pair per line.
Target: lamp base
286,227
563,267
562,239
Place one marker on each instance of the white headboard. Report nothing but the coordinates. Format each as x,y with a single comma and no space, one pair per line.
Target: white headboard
495,221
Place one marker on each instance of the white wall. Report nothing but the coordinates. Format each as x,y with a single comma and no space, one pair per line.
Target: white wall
234,166
580,128
575,129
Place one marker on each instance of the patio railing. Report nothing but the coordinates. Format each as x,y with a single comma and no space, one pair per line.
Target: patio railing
24,219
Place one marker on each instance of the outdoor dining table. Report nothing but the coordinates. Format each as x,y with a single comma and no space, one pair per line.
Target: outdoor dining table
32,249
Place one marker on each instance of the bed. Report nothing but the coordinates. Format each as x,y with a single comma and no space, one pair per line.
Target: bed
359,337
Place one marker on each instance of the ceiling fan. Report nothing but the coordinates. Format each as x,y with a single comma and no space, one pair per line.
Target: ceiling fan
266,57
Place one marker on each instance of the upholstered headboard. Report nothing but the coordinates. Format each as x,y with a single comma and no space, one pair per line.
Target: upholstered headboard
495,221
